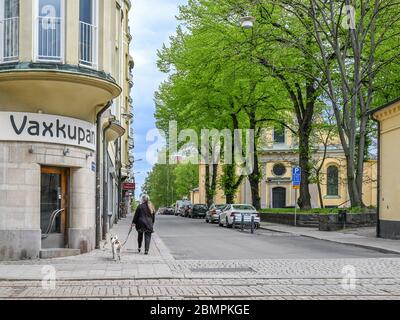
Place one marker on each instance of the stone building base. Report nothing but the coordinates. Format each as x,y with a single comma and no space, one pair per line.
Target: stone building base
389,229
19,244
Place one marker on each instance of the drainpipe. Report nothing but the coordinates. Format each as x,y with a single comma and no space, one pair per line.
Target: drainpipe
105,182
119,215
98,172
378,225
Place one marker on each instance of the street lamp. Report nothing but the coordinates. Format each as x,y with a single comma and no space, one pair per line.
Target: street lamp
247,22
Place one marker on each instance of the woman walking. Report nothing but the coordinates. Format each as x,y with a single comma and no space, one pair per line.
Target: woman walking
144,221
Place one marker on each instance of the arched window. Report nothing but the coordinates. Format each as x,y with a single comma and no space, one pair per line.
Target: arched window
333,181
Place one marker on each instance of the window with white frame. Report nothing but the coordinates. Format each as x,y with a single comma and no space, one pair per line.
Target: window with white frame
9,30
50,30
88,33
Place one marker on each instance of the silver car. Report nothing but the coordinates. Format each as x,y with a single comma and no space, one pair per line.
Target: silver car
234,213
213,212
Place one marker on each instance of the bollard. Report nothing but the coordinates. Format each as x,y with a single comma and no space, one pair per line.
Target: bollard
242,222
252,224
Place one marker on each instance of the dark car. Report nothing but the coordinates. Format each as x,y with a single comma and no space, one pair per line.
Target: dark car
169,211
198,211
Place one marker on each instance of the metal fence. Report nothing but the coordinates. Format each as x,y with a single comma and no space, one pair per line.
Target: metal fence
9,39
88,44
50,39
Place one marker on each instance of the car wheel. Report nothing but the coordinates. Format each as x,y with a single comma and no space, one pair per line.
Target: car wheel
220,223
227,223
207,221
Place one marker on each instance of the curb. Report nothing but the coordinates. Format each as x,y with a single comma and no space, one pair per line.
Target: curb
378,249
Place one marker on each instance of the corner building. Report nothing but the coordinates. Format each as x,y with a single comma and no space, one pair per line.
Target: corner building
65,77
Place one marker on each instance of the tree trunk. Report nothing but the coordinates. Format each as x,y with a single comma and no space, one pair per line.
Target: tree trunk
352,183
254,180
230,181
255,176
304,200
321,199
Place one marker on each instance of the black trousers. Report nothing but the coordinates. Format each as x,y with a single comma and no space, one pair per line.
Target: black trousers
147,239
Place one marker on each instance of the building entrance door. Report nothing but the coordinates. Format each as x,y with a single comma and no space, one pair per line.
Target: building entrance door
279,197
54,207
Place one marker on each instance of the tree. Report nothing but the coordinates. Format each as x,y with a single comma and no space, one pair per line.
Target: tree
215,86
186,179
354,48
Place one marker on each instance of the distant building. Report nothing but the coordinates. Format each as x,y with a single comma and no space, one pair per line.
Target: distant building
388,118
61,63
278,155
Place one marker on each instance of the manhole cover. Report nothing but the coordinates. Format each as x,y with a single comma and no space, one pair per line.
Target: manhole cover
219,270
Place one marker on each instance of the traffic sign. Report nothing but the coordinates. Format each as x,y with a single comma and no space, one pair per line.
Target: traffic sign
296,177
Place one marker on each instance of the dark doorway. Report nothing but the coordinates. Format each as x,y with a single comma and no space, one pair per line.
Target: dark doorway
279,197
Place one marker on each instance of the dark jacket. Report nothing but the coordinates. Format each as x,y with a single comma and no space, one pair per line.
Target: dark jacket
143,218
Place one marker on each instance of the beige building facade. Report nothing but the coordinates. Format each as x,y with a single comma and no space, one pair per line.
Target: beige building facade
388,118
65,119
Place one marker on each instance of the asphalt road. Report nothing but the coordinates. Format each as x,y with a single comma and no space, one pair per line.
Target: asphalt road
193,239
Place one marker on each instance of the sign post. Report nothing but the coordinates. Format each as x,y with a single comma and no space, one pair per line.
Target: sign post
296,181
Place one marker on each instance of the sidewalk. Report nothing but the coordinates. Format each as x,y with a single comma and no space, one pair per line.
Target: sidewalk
363,237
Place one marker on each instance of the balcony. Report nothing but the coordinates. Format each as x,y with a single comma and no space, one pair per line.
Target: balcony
9,40
88,45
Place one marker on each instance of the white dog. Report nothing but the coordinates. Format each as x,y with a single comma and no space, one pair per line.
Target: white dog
116,246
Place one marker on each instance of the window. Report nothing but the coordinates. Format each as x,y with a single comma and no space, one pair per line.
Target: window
88,33
333,181
50,30
279,170
9,30
279,134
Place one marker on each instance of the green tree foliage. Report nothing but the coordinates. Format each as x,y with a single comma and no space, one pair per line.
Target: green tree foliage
186,179
167,183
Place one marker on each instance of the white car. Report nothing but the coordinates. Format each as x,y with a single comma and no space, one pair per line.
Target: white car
232,214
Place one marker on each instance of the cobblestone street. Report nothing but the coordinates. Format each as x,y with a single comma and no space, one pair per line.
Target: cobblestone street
162,276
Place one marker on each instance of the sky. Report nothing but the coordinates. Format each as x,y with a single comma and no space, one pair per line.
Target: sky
152,22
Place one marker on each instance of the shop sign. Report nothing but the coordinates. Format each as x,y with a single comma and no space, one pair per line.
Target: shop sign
37,127
128,186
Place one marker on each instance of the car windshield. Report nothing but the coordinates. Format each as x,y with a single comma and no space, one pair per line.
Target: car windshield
220,206
243,207
200,206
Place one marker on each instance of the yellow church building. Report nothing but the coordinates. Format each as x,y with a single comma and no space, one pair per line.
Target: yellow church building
278,155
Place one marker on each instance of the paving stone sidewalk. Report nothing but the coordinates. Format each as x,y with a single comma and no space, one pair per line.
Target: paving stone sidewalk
159,276
363,237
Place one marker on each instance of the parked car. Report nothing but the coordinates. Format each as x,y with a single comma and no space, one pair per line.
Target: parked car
198,211
232,214
212,215
182,208
169,211
178,205
186,209
161,211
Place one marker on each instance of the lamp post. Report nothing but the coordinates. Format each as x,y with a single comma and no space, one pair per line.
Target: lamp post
247,22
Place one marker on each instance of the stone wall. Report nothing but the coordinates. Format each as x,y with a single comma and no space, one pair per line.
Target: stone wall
303,220
325,222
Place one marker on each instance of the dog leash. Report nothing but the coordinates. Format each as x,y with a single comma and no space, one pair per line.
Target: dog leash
127,237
